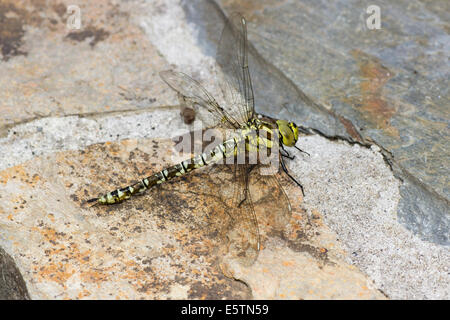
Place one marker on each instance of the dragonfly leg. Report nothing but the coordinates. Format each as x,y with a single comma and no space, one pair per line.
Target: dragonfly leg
247,174
301,150
292,178
287,155
249,170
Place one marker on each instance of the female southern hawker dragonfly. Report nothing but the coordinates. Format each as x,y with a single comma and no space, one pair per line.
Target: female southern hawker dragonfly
252,135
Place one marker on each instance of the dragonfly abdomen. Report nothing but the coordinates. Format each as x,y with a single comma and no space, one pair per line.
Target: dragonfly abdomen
221,151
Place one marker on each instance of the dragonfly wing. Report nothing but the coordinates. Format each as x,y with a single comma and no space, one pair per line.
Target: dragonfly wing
254,189
232,58
243,234
192,93
270,198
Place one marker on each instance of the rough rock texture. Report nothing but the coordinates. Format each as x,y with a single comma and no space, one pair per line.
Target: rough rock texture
143,249
364,196
12,285
59,71
162,245
84,111
392,84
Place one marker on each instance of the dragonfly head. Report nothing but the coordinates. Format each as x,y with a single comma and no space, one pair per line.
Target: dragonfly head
288,132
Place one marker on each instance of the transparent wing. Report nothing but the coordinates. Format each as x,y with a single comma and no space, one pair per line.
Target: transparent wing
192,93
270,198
265,193
243,234
279,97
232,58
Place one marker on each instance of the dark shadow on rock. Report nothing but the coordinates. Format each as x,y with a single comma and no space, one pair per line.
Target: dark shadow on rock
12,285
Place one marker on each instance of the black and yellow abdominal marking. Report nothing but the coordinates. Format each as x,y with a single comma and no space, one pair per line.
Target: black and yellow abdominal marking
230,148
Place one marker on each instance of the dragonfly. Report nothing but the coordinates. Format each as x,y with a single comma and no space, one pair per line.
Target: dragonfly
237,113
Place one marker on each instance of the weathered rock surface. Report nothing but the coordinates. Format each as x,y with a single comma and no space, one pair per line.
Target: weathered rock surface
391,84
12,285
162,245
64,90
59,71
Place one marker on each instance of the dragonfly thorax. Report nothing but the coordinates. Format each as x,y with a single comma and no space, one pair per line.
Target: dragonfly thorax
288,132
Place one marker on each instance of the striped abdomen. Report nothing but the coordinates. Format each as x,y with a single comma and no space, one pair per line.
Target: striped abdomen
228,148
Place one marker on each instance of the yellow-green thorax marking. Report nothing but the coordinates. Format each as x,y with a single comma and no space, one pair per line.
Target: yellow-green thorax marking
249,136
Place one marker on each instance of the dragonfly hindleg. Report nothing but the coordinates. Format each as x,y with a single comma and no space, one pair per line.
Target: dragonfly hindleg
283,166
301,150
247,176
287,155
